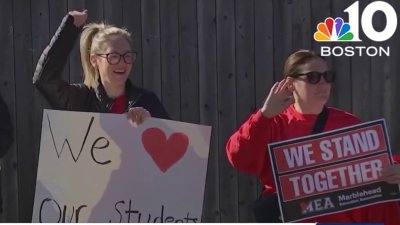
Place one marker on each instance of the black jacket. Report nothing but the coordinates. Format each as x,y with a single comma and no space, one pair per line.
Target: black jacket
78,97
5,128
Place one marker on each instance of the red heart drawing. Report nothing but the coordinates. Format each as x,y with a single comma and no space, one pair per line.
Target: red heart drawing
165,152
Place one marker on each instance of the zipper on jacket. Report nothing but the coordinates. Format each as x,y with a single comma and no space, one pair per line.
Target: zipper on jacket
131,103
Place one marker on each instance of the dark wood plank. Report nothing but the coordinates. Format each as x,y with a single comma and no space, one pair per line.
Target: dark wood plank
226,106
380,80
26,148
394,107
361,77
95,10
170,58
282,12
188,60
75,65
151,46
320,10
264,53
9,175
264,49
208,92
341,93
113,13
133,22
301,26
57,11
40,39
245,96
385,82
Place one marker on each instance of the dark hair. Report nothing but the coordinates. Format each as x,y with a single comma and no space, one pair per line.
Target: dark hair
297,59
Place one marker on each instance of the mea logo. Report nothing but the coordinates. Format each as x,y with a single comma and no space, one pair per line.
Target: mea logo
316,205
337,30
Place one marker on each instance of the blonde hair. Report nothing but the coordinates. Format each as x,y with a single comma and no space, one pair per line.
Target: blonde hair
93,37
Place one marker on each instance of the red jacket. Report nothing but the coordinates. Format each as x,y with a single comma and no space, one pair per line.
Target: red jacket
247,151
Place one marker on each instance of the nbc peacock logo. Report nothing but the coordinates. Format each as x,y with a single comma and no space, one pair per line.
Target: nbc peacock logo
333,30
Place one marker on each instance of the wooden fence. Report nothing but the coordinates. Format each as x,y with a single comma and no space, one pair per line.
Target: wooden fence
210,61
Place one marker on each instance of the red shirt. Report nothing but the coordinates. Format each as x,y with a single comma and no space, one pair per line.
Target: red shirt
119,105
246,151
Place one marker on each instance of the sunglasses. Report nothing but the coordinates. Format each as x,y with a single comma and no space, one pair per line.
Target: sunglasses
314,77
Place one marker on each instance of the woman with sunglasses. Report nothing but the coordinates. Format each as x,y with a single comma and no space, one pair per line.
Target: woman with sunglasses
290,111
107,60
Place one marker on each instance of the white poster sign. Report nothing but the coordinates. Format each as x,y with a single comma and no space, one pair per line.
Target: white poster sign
96,167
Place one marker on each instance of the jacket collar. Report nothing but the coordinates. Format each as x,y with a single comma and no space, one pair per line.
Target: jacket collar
133,94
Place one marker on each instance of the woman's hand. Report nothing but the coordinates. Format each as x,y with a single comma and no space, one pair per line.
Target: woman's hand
391,174
79,17
137,115
279,98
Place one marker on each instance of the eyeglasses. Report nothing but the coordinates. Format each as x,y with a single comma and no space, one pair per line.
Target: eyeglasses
314,77
114,58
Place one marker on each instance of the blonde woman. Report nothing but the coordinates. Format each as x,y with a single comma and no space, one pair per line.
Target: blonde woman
107,60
